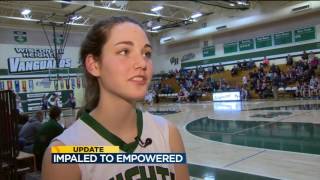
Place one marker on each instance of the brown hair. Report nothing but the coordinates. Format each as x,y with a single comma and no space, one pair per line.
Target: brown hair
54,112
93,44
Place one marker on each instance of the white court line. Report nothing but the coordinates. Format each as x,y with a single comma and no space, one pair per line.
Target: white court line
271,122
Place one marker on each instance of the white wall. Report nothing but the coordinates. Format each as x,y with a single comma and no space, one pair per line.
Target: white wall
164,52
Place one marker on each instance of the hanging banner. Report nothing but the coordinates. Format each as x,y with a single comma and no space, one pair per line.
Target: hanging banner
56,85
73,83
83,82
17,85
61,83
78,83
30,85
59,39
9,85
208,51
1,85
67,84
246,44
24,85
20,36
304,34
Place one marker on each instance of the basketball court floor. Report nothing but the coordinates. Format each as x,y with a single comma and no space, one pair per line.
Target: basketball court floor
248,140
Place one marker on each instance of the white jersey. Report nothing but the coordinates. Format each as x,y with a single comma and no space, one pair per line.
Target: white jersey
154,127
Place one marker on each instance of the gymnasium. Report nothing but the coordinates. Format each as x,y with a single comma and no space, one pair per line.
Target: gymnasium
240,79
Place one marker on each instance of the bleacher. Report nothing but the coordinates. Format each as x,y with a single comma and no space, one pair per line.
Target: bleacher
233,81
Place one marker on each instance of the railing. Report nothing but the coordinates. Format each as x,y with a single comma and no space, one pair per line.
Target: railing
8,135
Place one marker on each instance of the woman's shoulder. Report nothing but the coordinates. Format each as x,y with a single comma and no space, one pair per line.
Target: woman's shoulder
158,120
73,133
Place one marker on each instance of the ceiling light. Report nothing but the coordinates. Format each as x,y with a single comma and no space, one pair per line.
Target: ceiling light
74,18
156,27
114,1
231,4
242,2
26,12
209,178
158,8
196,15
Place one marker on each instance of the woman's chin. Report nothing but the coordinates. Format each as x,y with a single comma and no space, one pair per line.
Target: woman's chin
136,96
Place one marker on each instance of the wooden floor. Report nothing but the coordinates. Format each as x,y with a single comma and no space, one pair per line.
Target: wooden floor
257,161
265,162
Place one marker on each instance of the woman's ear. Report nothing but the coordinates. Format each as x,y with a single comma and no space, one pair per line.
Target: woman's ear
92,65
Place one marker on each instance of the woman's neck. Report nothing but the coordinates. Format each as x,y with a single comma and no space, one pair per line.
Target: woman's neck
117,115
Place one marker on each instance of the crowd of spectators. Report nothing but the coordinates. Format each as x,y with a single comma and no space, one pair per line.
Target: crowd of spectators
265,79
300,74
192,83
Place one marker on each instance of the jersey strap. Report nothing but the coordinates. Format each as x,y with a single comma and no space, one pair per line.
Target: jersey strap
109,136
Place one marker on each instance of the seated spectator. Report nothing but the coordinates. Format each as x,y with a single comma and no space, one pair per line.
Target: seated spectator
244,65
273,68
148,98
299,89
195,94
305,89
55,100
22,119
239,65
265,61
283,80
289,60
29,130
258,86
183,95
251,64
220,68
214,69
46,133
313,86
275,85
305,56
234,70
44,102
167,89
244,80
318,88
314,61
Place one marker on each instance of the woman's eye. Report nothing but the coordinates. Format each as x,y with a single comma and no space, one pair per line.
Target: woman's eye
124,52
148,54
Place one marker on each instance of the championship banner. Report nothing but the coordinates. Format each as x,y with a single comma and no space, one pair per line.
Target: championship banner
30,85
67,83
82,82
61,83
56,85
73,83
1,85
24,85
17,85
9,85
78,83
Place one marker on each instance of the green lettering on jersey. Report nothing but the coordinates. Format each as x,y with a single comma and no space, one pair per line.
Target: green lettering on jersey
131,172
143,173
163,171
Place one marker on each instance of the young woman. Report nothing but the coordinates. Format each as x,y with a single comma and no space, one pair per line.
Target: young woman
116,55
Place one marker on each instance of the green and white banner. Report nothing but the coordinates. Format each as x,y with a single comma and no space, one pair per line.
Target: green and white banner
20,36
